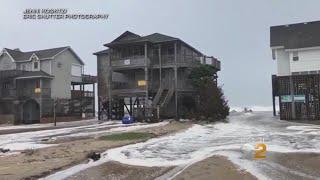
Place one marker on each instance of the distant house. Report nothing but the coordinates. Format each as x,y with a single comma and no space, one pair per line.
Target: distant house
32,81
147,76
296,48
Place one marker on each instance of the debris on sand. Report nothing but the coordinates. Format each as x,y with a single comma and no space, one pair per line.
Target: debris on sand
3,150
94,156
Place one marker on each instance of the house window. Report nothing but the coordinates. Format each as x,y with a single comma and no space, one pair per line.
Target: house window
295,56
36,65
59,65
6,85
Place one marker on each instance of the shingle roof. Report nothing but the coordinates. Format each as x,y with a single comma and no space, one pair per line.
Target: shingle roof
157,37
106,51
129,38
295,36
126,36
28,74
41,54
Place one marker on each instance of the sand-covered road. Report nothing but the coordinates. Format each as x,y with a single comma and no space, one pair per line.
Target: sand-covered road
292,151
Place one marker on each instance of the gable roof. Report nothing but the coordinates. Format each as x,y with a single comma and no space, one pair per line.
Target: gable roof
19,56
126,36
294,36
152,38
129,37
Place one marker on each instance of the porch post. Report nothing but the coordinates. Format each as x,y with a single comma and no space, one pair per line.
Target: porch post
109,82
160,68
40,99
94,99
176,79
131,107
293,106
146,103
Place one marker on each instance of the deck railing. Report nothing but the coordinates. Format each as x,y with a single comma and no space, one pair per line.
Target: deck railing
14,93
134,61
166,60
80,94
9,73
45,92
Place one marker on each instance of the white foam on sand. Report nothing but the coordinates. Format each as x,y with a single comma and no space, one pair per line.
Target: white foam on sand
235,140
253,108
34,140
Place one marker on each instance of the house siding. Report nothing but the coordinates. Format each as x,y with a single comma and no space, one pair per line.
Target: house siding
283,62
309,60
46,66
103,70
62,75
6,63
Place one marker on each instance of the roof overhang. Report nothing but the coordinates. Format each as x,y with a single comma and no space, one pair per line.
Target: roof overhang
34,77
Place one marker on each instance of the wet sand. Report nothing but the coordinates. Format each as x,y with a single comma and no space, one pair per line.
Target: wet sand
117,171
216,167
42,162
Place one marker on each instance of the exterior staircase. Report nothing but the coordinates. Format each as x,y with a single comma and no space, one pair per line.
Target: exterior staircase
162,97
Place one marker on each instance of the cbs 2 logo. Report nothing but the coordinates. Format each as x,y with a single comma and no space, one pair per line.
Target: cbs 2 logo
260,151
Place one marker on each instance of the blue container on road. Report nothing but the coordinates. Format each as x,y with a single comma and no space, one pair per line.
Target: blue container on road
127,119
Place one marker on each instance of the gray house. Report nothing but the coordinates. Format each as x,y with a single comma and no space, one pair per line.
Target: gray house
31,82
146,76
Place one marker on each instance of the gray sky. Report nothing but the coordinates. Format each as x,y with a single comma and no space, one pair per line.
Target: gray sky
236,32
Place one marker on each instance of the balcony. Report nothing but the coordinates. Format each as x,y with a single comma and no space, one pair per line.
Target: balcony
76,94
167,61
83,79
124,89
30,93
10,73
211,61
8,94
130,62
24,93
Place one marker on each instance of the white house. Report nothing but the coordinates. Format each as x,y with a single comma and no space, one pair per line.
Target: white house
296,49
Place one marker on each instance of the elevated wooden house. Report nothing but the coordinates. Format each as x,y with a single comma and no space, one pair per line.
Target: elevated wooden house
146,76
296,49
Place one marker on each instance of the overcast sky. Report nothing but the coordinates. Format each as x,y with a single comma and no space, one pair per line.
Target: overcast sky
236,32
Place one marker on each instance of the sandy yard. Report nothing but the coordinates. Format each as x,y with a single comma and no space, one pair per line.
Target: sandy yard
33,164
216,167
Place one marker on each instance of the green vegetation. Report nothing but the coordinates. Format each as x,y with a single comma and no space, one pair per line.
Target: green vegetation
210,102
127,136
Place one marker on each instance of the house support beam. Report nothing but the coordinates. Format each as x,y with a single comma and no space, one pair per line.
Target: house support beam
293,106
160,68
109,87
40,106
274,105
131,107
146,73
176,80
94,99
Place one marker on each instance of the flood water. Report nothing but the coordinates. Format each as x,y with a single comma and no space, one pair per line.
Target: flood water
235,139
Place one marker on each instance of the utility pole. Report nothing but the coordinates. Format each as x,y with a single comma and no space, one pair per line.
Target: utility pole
55,102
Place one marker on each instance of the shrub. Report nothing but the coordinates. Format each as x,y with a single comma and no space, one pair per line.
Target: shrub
211,102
